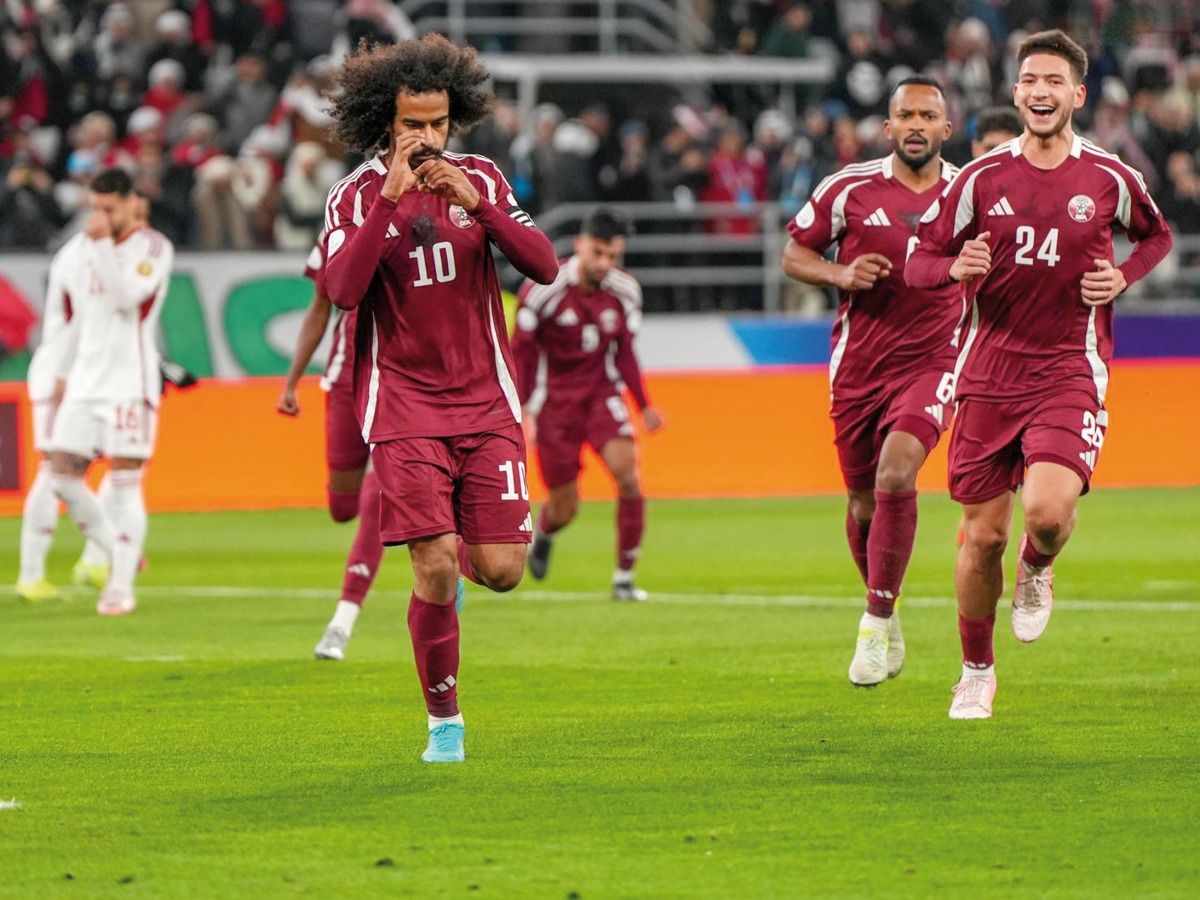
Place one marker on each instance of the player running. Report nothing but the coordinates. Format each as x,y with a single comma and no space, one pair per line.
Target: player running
891,366
409,236
1031,225
115,274
582,327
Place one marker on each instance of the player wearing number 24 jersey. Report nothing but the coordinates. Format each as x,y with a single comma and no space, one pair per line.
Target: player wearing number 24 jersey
891,364
409,236
1029,226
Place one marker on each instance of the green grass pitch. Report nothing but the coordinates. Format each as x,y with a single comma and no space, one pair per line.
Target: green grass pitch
705,744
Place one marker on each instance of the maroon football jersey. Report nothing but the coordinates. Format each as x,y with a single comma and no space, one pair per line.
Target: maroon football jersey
890,330
584,336
431,355
1028,331
339,369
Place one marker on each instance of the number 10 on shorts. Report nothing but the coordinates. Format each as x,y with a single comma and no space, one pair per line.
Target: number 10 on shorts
511,493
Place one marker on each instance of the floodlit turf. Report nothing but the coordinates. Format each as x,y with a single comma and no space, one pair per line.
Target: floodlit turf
707,744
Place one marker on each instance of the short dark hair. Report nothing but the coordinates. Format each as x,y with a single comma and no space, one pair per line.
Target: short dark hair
112,181
372,76
999,118
605,223
922,80
1056,43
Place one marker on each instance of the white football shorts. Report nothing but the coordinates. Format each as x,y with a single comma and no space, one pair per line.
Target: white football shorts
116,429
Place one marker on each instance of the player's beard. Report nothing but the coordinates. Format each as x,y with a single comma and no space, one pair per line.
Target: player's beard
932,149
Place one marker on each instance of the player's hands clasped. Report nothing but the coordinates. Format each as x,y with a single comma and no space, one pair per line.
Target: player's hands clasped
862,274
652,419
400,177
288,404
974,259
437,176
98,225
1102,285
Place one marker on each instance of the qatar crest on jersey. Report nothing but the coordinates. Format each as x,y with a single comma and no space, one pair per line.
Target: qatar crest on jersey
1081,208
609,319
459,217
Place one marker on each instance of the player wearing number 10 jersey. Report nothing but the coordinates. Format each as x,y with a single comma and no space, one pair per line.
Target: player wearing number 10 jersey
409,237
890,368
1030,226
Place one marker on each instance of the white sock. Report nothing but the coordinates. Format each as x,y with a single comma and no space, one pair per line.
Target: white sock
84,509
876,622
434,721
972,672
345,616
38,522
623,576
129,524
92,554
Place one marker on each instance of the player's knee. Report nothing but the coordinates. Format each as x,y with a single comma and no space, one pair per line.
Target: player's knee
503,576
985,539
1046,522
628,487
895,478
343,505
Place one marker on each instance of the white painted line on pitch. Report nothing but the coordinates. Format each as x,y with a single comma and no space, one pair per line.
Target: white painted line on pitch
157,659
10,804
696,599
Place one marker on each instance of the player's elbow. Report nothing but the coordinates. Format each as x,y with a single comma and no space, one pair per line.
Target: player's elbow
546,271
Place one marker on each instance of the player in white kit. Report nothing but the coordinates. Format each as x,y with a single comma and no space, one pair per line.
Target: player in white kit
116,275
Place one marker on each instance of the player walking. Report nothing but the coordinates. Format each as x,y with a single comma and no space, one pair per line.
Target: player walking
409,237
582,326
891,366
1031,224
115,274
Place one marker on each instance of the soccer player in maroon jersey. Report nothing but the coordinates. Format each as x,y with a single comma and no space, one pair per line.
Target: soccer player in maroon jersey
353,486
892,359
583,325
409,237
1030,226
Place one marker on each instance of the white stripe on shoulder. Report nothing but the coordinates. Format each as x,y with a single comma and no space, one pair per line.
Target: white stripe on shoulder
542,297
1112,157
857,170
332,219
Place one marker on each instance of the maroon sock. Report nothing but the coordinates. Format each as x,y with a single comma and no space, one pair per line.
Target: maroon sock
889,548
1032,558
544,525
856,534
976,637
367,551
434,630
631,522
464,561
343,505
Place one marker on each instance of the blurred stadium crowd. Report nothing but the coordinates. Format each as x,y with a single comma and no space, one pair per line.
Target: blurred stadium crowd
217,107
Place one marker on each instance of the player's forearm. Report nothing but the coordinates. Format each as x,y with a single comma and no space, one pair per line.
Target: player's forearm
926,270
120,290
1147,254
805,264
631,373
351,267
526,247
525,358
311,332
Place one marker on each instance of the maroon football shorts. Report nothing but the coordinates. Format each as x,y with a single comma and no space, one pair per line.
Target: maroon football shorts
472,484
345,448
909,404
994,442
562,432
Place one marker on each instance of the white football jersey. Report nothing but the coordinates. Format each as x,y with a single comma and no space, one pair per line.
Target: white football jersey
117,292
52,358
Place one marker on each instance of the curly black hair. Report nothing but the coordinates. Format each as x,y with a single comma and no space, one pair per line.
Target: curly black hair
372,76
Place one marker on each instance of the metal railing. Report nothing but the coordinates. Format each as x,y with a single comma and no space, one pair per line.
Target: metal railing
611,26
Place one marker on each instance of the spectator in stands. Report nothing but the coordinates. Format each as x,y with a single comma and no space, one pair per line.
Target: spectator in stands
859,82
539,167
375,20
630,180
788,35
1181,199
772,133
1172,129
1112,131
24,89
29,214
71,196
117,49
303,106
734,177
245,101
94,138
494,137
118,97
239,27
738,25
166,94
969,66
174,31
302,195
223,223
584,145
